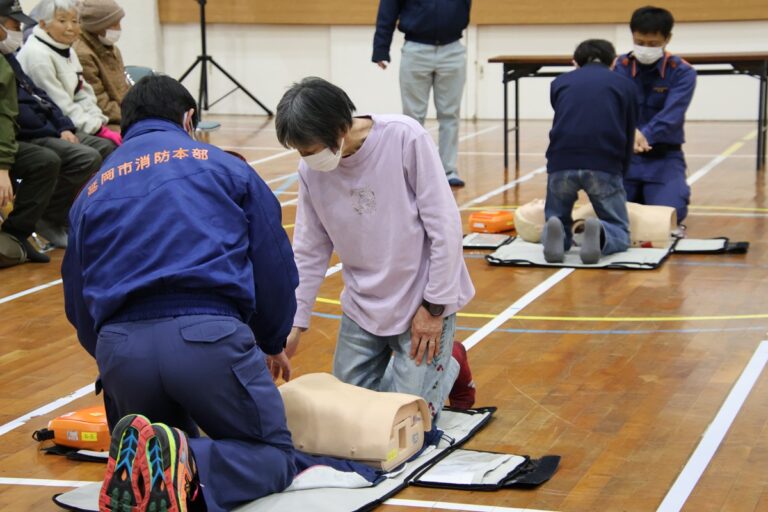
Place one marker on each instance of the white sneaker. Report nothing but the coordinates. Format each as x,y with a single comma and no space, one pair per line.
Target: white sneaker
57,235
679,231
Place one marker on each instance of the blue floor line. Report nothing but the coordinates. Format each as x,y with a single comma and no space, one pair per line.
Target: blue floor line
597,331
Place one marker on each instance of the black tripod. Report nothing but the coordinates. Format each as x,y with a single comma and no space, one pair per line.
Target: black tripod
203,60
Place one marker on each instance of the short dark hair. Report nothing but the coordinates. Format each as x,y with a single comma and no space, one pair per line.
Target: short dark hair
652,20
313,111
159,97
594,50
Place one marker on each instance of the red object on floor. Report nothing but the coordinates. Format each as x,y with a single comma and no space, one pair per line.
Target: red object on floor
462,395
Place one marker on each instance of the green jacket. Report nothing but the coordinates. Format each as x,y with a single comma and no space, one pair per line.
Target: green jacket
9,109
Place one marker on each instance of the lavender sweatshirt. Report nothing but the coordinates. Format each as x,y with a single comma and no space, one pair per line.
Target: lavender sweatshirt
389,214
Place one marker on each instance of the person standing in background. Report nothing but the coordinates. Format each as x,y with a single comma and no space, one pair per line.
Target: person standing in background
433,58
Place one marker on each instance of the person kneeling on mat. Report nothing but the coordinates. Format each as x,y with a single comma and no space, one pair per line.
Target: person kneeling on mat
371,188
590,147
179,279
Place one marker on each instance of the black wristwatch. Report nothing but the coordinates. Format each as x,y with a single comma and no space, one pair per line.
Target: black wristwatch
434,309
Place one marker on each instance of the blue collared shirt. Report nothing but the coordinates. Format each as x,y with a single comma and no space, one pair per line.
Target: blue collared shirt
665,90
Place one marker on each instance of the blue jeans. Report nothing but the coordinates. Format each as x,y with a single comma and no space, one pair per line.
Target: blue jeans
383,363
606,193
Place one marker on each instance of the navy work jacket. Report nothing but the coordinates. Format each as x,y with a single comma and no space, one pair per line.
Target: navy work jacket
170,226
665,89
436,22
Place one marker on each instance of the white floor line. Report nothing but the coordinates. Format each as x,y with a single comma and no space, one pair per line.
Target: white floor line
280,178
499,190
40,482
516,307
253,148
332,270
479,132
686,481
442,505
11,425
693,178
718,214
272,157
290,202
30,291
687,155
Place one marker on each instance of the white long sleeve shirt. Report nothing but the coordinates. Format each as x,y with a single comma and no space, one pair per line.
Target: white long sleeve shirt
47,64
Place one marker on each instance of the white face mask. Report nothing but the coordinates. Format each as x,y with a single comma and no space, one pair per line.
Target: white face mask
12,41
647,54
110,38
325,160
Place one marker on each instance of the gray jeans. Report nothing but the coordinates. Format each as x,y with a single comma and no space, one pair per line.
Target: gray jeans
444,70
383,363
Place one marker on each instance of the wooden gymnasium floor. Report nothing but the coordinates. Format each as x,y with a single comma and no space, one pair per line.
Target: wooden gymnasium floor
620,372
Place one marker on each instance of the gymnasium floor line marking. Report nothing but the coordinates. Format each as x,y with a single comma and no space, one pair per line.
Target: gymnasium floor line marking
21,420
541,154
477,133
690,207
725,214
41,482
272,157
684,484
517,306
503,188
693,178
30,291
761,328
443,505
756,316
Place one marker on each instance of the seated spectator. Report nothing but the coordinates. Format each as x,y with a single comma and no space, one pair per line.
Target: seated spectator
102,62
42,123
50,62
26,177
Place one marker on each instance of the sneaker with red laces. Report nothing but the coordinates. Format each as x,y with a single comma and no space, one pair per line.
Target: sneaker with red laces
123,489
172,471
462,395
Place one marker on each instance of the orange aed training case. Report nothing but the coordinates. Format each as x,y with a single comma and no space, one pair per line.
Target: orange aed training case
85,429
491,221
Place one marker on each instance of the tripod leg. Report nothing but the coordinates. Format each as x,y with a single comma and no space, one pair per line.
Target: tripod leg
202,98
240,86
189,70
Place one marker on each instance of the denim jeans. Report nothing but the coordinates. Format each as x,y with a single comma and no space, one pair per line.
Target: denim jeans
608,198
383,363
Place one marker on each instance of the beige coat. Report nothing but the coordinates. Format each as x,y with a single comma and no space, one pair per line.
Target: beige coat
103,68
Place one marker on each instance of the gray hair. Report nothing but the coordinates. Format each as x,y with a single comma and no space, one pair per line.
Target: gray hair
46,9
313,111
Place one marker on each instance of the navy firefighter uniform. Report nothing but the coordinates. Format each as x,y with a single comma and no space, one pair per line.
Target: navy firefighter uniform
179,278
665,89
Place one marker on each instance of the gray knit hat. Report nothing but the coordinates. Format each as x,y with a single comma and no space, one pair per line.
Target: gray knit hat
98,15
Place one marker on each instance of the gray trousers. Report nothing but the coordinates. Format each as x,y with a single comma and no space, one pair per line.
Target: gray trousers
443,69
383,363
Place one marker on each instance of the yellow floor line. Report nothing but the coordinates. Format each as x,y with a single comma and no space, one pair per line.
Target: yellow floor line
691,207
759,316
